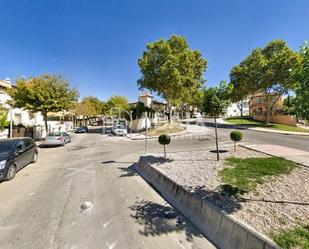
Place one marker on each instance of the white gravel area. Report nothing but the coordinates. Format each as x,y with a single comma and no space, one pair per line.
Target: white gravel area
280,202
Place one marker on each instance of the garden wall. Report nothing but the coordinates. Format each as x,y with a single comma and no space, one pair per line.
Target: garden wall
219,227
279,119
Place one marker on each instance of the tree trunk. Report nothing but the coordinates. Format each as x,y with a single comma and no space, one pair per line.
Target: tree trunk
217,146
170,114
267,116
45,121
241,109
164,151
181,111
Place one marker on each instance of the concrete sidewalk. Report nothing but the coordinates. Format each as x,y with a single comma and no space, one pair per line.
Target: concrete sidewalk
190,130
297,156
223,122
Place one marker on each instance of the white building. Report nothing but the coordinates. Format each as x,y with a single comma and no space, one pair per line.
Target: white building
26,118
19,116
238,109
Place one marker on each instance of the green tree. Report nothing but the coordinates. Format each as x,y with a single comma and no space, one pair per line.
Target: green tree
4,122
288,105
118,103
270,70
139,109
171,69
92,105
45,93
216,101
301,103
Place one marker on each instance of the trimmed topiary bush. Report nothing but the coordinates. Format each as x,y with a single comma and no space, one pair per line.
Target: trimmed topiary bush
164,139
236,136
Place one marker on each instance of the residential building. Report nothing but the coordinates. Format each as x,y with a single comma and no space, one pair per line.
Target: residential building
159,107
238,109
26,118
258,109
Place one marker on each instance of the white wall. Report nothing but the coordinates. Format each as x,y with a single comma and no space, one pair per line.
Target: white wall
234,110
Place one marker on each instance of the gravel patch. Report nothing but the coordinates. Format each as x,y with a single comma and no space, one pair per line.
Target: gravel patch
280,202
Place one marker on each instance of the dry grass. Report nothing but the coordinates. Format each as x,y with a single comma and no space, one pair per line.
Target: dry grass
166,129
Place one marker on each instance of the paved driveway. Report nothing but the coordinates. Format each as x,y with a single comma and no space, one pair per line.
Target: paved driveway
40,208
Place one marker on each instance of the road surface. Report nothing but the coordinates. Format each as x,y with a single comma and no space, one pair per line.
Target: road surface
41,207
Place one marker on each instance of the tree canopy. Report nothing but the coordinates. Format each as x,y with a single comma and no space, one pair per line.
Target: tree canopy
217,99
44,93
116,103
301,101
4,122
90,106
270,70
172,69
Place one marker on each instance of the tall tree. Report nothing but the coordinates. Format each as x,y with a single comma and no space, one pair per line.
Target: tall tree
216,101
301,101
117,104
94,106
270,70
170,68
45,93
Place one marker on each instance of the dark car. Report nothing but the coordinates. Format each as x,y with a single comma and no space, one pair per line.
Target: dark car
15,154
82,129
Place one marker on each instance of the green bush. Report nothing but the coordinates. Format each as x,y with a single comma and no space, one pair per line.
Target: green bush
164,139
236,136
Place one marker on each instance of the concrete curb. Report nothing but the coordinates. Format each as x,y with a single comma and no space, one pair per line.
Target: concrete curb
222,122
171,135
222,229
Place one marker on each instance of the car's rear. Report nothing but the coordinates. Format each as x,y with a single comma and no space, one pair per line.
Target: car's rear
54,138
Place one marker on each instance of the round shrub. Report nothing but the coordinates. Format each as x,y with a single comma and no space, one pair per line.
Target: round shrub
236,136
164,139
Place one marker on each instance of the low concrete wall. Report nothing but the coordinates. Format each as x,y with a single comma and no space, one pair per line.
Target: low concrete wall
279,119
221,228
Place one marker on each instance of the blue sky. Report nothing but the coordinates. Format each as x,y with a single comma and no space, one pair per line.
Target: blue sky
96,44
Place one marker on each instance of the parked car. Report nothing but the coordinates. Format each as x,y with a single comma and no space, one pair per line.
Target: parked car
196,115
57,138
119,130
82,129
15,154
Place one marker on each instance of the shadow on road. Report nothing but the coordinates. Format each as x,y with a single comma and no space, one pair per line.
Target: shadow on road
128,171
160,219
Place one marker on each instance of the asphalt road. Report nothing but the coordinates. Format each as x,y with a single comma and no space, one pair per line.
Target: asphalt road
41,207
257,137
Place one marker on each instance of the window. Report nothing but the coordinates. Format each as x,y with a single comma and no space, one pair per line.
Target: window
28,142
20,146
